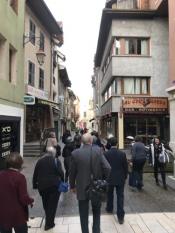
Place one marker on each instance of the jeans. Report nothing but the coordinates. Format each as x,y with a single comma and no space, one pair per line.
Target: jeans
138,172
19,229
50,197
84,214
120,200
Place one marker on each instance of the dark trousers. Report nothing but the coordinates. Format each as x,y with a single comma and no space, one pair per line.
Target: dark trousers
19,229
67,162
159,167
84,214
138,172
120,200
50,197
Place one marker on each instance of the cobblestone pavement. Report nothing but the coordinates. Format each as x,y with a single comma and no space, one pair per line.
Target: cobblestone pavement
152,199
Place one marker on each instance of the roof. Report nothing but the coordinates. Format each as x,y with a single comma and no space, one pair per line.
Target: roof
64,77
110,14
45,16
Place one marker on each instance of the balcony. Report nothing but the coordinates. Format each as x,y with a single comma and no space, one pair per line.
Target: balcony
112,105
127,66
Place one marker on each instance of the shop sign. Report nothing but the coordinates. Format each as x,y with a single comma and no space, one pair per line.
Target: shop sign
152,105
52,104
36,92
5,140
29,100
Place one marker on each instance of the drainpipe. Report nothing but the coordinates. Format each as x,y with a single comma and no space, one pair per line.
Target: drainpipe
51,84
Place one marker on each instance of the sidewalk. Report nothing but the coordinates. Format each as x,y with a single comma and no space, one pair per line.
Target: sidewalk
134,223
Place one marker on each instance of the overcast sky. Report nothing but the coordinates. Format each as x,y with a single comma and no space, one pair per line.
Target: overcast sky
81,22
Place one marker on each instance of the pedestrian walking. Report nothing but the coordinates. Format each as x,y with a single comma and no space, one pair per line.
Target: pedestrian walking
66,134
158,159
51,141
47,175
14,198
67,153
138,160
77,140
80,179
119,170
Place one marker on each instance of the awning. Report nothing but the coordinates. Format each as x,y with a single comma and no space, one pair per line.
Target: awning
50,103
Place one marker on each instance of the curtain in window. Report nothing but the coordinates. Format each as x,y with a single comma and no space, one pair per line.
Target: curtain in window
144,47
128,86
137,86
117,46
127,47
144,86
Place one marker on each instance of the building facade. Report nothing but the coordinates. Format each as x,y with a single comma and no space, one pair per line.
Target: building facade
42,34
11,77
132,59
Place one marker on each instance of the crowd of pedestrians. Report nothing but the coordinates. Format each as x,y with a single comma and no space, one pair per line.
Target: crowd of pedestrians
86,160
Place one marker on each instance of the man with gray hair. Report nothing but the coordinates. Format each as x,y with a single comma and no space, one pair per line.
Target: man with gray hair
47,175
80,178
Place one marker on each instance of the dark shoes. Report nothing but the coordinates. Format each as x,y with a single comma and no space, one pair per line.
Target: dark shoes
46,228
121,220
165,186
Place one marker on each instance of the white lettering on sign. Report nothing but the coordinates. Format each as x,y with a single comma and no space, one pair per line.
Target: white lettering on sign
6,144
6,129
5,153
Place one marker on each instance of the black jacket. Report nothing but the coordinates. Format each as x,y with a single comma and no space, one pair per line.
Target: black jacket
46,174
119,166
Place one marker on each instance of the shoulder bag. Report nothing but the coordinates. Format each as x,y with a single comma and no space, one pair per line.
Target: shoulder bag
97,190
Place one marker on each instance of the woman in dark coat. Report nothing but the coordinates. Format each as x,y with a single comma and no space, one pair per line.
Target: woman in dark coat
14,199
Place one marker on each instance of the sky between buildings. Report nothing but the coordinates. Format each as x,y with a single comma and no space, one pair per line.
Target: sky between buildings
81,23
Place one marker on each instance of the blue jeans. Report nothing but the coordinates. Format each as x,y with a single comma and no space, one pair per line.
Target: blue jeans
84,214
120,199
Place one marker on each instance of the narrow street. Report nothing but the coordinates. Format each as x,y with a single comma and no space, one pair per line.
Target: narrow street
152,199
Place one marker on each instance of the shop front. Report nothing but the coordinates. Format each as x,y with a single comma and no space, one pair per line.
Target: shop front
39,117
147,117
9,136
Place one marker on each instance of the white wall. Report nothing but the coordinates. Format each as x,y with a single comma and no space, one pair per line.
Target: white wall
6,110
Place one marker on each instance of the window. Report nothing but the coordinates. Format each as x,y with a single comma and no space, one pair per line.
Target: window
14,5
137,46
117,46
32,32
41,41
31,74
12,64
41,79
136,86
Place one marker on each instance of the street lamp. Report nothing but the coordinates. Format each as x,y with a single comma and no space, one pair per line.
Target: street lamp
40,54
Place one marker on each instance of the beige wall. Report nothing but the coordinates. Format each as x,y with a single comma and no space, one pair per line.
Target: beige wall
171,42
30,53
154,4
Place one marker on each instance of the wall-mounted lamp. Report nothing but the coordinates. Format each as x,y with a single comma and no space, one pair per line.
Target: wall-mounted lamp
40,54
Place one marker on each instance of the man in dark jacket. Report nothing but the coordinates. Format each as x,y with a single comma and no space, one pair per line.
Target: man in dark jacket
80,176
119,170
47,175
138,160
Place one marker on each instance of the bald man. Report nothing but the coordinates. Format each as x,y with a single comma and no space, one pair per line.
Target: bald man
80,179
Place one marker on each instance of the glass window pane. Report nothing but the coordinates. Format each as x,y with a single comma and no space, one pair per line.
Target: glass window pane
145,86
137,86
144,47
128,86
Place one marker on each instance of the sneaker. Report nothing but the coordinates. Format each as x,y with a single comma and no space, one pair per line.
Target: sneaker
121,220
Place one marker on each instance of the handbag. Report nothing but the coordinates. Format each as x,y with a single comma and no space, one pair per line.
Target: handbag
97,190
63,187
163,157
